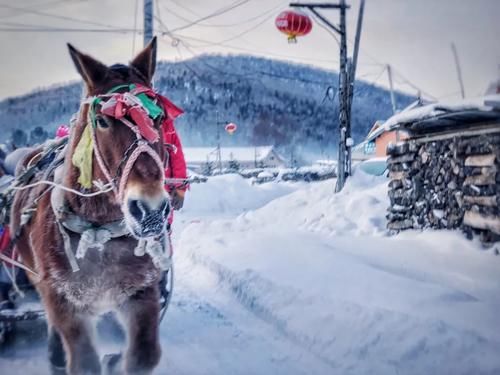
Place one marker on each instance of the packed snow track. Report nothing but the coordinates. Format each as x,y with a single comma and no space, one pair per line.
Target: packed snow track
291,279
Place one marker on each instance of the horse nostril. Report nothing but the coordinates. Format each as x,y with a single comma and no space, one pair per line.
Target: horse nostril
137,209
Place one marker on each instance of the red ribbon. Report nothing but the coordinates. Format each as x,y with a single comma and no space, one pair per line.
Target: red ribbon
117,107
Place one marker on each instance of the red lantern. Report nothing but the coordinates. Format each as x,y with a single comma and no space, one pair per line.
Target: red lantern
231,128
293,24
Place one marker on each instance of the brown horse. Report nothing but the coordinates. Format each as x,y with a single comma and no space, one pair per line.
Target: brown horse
112,277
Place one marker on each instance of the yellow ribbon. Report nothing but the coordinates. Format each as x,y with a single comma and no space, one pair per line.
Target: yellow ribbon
82,158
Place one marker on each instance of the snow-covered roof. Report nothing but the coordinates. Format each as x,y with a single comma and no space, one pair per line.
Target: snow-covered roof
449,112
241,154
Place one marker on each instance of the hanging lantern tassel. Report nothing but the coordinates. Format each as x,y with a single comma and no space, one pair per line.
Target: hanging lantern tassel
293,24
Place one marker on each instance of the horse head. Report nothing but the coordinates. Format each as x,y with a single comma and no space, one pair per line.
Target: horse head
119,136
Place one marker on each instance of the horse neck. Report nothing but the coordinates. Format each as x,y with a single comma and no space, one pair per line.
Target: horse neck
99,209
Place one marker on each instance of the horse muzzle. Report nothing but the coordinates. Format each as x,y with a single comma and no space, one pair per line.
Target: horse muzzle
147,221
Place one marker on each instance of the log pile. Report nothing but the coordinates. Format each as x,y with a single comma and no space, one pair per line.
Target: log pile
446,183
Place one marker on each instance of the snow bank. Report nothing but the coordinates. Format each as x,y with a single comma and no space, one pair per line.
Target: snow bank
319,268
358,210
231,194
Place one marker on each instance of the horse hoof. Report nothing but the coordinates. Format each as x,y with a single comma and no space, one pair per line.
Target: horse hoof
57,370
111,364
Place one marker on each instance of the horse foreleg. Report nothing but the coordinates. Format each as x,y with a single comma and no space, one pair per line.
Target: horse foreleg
76,335
57,358
141,314
80,352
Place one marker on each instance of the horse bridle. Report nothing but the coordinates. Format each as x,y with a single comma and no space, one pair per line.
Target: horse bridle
139,146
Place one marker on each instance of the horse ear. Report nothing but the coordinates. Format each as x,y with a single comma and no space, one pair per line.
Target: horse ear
145,61
92,71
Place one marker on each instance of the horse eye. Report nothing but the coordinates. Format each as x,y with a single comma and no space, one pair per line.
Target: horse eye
102,123
159,120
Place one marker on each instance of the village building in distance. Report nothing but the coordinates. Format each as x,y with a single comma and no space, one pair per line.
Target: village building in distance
199,158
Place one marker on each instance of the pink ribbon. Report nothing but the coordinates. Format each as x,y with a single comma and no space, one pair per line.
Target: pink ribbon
121,105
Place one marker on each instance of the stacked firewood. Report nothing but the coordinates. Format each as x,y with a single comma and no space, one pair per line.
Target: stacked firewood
445,184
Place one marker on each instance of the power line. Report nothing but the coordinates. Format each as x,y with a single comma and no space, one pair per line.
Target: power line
234,5
65,30
207,43
405,80
49,4
267,53
179,4
235,24
411,84
237,36
251,72
57,16
318,22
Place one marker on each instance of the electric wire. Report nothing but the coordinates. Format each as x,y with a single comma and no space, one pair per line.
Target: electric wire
57,16
49,4
224,25
234,5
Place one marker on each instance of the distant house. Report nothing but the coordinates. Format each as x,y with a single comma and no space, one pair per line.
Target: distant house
382,134
375,144
246,157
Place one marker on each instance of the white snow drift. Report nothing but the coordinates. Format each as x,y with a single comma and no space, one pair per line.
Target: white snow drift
320,269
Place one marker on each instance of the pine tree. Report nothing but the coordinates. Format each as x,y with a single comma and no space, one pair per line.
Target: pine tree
207,168
234,166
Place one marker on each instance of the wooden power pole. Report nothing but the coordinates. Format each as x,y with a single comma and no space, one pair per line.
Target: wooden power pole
347,73
148,21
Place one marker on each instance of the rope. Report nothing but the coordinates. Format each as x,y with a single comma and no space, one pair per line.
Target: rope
102,188
18,264
100,161
141,148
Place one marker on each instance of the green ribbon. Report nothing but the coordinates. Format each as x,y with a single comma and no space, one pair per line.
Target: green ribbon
151,107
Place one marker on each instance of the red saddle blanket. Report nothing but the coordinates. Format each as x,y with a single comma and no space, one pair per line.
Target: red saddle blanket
4,243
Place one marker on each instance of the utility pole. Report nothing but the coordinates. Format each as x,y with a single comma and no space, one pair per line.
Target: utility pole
391,86
218,156
353,63
459,70
148,21
347,73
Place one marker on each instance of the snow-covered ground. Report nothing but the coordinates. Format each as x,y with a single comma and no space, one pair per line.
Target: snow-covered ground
292,279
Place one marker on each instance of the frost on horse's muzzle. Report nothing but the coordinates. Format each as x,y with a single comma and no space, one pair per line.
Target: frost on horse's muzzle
148,222
153,224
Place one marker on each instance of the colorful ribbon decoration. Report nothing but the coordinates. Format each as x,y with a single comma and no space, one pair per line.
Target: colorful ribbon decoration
139,105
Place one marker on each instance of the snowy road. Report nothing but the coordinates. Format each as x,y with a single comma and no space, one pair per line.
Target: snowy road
206,331
292,279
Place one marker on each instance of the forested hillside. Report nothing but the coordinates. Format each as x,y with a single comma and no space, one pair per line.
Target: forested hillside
272,102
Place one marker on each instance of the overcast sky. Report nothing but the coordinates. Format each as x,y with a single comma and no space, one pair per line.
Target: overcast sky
414,36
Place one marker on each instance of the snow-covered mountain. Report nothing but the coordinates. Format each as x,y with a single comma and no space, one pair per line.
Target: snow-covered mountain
273,102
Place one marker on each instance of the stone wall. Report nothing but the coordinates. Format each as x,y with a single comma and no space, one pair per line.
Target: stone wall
446,182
